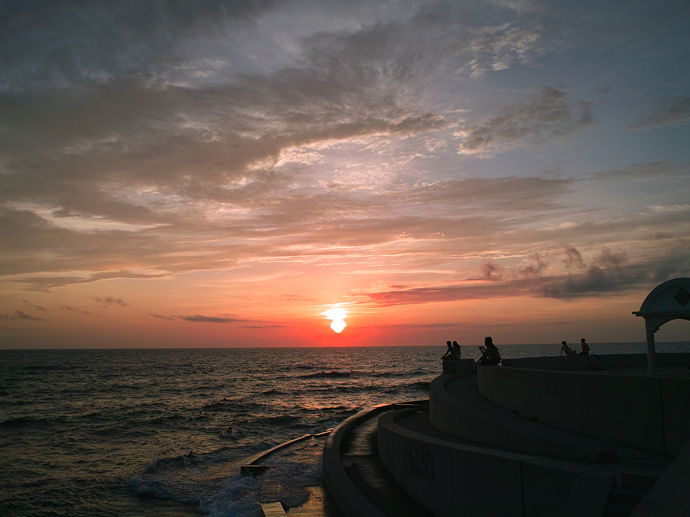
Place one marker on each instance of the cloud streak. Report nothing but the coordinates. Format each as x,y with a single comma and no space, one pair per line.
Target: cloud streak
548,114
669,112
609,275
20,315
109,300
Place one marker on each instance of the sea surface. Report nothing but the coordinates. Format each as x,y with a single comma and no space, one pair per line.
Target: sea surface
163,432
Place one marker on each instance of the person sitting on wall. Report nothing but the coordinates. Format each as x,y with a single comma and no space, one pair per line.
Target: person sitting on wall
490,354
450,353
456,349
585,347
565,349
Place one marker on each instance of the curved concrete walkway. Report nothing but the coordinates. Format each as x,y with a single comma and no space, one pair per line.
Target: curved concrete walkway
353,474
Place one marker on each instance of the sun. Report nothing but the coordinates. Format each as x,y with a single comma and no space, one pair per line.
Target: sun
338,316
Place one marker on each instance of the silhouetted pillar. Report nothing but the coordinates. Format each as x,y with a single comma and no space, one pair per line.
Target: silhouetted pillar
651,349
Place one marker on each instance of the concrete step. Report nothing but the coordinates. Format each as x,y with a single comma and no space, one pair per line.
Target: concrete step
618,510
625,496
273,510
354,476
361,461
637,481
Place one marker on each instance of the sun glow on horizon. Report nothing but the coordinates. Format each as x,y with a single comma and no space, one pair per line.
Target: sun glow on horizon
338,316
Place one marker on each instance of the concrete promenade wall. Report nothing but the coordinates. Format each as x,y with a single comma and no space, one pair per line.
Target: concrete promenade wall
646,413
451,479
457,409
595,361
446,477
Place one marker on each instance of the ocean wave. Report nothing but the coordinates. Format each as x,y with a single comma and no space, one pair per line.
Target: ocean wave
329,409
183,460
286,483
231,405
238,497
158,489
273,392
332,373
25,421
164,419
422,385
278,420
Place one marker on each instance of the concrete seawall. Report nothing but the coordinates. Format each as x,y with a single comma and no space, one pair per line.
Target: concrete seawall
646,413
562,437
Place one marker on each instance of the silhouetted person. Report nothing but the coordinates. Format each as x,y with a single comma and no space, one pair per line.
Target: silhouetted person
565,349
450,353
490,354
585,347
456,349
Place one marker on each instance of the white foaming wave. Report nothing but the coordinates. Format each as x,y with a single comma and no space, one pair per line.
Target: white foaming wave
156,488
288,483
237,497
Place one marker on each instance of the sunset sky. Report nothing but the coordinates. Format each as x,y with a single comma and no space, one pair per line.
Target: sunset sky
224,173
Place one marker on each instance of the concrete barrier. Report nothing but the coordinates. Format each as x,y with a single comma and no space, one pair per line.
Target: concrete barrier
451,479
675,394
642,412
595,361
459,367
457,409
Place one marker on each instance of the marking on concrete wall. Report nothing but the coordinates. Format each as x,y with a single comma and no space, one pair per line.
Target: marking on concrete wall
418,461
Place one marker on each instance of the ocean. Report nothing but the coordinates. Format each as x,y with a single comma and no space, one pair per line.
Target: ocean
162,432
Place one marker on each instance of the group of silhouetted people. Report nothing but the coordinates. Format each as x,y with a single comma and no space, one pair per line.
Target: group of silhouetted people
490,354
566,350
453,351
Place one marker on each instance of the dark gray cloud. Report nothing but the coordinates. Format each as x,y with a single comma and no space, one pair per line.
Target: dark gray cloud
82,43
244,323
420,326
34,306
669,112
609,259
573,258
109,300
46,283
263,326
421,295
613,275
594,281
536,267
512,193
69,308
491,271
197,318
550,113
20,315
118,128
646,171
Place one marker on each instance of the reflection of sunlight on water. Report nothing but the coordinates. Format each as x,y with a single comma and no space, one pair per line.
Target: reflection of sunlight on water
338,316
